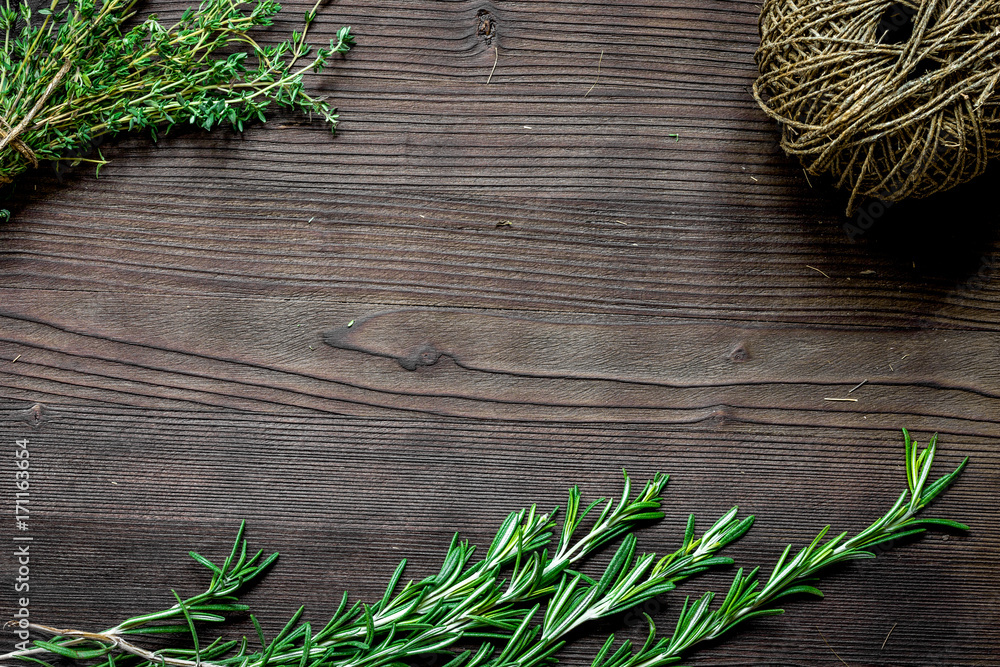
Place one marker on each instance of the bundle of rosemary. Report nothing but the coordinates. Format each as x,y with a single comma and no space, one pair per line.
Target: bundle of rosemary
74,71
494,602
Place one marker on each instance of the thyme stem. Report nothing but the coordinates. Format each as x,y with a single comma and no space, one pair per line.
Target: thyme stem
73,72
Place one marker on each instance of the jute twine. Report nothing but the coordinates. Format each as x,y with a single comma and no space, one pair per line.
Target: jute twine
11,135
889,111
19,146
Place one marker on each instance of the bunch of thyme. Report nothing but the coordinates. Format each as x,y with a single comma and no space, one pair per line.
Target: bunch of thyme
495,600
74,71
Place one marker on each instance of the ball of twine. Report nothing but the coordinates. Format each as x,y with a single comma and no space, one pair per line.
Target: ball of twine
892,99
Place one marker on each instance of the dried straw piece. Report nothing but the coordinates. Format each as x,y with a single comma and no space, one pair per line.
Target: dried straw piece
19,146
885,118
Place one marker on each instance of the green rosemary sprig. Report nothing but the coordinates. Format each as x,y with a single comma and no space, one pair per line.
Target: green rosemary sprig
72,72
464,599
496,599
746,599
237,572
627,582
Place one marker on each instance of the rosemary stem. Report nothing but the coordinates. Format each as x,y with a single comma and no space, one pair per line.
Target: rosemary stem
496,598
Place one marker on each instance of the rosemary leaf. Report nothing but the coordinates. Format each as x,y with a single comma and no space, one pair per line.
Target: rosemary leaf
497,599
747,599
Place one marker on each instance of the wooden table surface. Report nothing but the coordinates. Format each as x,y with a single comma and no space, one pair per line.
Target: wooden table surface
568,244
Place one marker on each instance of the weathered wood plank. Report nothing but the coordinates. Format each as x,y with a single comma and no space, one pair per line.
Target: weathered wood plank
344,499
609,212
596,292
269,355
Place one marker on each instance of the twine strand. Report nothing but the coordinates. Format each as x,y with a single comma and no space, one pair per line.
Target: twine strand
11,135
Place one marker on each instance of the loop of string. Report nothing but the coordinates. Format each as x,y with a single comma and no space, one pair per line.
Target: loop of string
10,135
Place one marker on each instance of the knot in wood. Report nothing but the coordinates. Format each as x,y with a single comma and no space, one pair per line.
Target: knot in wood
487,28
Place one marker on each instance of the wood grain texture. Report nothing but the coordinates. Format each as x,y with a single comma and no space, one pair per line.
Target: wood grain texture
158,483
610,214
594,258
152,351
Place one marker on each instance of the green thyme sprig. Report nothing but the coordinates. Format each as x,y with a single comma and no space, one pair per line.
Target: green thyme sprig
73,72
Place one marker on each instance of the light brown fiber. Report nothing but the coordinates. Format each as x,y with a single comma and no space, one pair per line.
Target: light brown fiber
885,118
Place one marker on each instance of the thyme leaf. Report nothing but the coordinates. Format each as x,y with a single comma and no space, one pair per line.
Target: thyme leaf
74,71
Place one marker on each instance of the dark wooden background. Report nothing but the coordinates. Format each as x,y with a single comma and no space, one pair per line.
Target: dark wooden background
546,286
